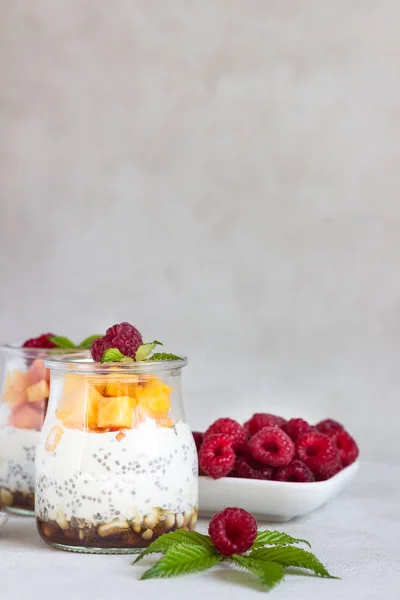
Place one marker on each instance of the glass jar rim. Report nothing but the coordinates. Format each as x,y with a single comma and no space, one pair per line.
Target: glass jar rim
80,362
27,352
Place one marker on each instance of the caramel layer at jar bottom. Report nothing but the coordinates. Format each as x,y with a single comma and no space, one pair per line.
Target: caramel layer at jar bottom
21,501
116,534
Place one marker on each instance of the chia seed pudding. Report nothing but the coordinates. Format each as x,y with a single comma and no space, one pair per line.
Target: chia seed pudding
116,465
24,398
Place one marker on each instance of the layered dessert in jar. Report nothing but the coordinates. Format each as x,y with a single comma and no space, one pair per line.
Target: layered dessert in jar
24,395
116,465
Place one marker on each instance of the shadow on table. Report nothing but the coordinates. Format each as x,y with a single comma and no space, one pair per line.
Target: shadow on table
21,532
233,576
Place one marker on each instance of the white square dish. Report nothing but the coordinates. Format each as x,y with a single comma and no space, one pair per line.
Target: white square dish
276,501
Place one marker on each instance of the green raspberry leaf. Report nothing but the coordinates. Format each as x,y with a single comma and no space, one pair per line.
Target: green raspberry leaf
276,538
112,355
62,342
183,558
145,349
164,356
87,342
180,536
290,556
269,573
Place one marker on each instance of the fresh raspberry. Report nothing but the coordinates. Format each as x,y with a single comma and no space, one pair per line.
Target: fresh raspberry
329,426
329,470
316,450
247,467
346,446
216,456
260,420
272,446
43,341
124,336
198,439
294,471
99,346
296,427
233,531
228,427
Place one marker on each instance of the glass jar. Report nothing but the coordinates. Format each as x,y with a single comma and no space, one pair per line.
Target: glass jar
24,394
116,465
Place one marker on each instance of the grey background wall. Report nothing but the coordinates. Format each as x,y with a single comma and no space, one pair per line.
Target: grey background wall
225,175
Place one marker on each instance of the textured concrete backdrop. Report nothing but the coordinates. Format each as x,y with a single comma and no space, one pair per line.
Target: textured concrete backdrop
225,175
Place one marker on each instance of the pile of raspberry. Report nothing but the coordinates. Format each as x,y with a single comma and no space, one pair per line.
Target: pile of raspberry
272,448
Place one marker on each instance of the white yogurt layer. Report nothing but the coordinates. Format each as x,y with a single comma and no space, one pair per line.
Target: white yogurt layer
95,477
17,458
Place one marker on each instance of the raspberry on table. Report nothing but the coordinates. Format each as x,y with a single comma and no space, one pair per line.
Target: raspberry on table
316,450
247,467
296,427
260,420
233,531
216,456
272,446
198,439
229,427
43,341
346,447
328,471
123,336
295,471
329,426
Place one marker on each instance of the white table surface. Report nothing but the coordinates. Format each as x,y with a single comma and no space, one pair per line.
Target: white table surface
357,537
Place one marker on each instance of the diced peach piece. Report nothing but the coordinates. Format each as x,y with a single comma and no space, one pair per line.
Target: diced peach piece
115,413
54,437
154,398
123,386
26,417
38,391
120,436
73,383
15,389
79,409
36,372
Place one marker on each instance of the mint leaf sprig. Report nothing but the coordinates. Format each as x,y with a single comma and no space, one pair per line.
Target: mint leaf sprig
65,343
143,354
268,559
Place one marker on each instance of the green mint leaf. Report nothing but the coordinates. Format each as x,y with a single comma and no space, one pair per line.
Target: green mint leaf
87,342
179,536
276,538
164,356
269,573
290,556
62,342
183,558
145,349
112,355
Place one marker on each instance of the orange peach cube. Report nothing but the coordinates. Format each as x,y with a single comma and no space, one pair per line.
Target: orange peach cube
73,383
54,437
115,413
154,397
36,372
38,391
26,417
79,409
15,389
